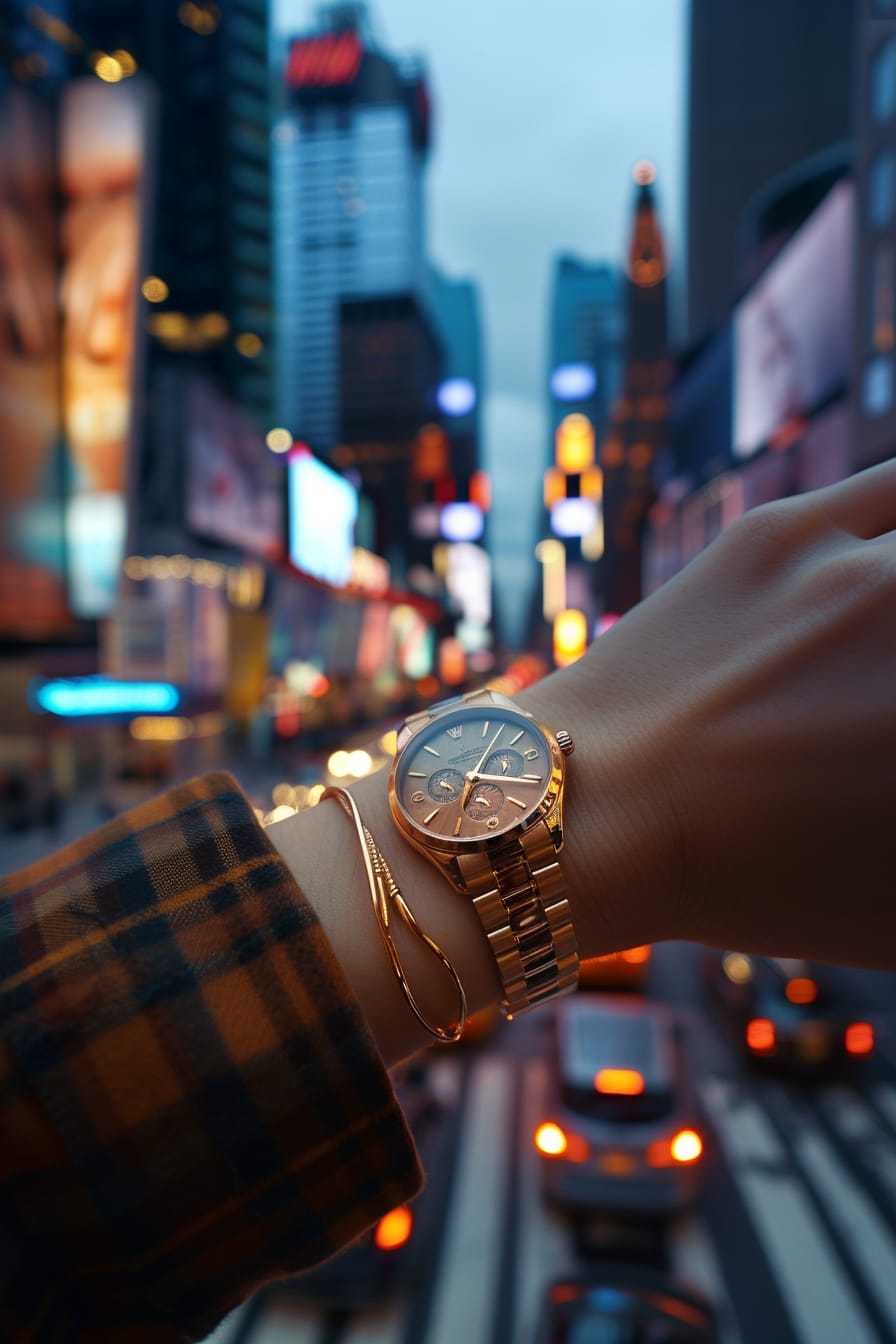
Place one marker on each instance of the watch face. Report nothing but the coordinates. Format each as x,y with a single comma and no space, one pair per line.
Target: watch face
473,773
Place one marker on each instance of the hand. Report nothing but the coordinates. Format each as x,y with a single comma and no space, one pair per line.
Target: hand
737,740
474,773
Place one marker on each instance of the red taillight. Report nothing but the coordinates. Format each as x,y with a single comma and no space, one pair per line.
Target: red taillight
859,1038
550,1139
636,956
619,1082
761,1035
801,990
686,1146
394,1229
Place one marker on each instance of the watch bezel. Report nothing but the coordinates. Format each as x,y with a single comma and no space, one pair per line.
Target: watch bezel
449,847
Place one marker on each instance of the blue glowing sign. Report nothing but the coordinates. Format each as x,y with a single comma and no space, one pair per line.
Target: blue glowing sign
456,396
80,697
573,382
462,522
323,510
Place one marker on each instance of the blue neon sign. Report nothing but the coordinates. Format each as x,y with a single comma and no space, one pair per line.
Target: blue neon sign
79,697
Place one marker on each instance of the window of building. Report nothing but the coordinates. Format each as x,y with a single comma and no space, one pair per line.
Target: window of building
877,386
883,82
882,188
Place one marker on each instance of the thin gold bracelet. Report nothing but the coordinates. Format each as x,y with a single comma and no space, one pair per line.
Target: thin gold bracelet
383,890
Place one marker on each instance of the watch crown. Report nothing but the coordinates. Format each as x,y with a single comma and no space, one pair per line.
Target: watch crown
565,742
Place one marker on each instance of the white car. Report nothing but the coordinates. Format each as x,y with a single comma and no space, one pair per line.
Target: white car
620,1131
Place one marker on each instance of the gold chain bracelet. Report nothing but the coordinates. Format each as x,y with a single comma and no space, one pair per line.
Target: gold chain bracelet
385,894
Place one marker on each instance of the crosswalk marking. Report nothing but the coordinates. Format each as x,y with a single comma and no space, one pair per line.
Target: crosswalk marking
850,1210
543,1251
378,1325
861,1129
884,1097
286,1322
463,1298
694,1260
823,1306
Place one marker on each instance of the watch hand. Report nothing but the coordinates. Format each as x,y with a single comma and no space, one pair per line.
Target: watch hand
503,779
478,765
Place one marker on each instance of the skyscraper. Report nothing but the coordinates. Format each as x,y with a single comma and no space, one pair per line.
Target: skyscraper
770,84
351,147
638,422
585,341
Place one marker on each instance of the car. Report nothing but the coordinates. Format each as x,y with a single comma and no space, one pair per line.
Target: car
785,1014
625,1304
619,1133
395,1254
616,970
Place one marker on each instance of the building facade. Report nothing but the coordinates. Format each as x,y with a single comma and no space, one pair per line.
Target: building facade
351,146
769,85
874,336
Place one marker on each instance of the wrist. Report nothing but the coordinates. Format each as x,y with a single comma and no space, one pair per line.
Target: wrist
620,859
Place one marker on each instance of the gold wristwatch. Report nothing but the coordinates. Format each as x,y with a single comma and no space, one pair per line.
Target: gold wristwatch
477,787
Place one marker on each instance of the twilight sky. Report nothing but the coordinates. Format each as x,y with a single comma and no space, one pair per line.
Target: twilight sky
539,113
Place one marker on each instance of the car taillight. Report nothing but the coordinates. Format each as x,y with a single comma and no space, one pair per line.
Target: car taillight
761,1035
859,1038
550,1139
684,1147
636,956
394,1229
619,1082
801,990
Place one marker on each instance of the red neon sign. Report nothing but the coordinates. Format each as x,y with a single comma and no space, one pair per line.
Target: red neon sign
324,62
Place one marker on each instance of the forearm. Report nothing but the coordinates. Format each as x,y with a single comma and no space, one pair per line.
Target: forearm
608,863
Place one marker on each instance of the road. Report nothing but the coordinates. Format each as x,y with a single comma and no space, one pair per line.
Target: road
793,1237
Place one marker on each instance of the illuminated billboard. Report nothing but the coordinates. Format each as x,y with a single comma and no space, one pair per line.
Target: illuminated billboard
324,62
233,484
792,333
33,603
323,507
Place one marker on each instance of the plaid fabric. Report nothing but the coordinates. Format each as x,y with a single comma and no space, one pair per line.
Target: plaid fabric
190,1101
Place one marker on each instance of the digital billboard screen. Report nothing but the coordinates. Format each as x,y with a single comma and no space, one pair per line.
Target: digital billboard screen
323,508
33,600
792,336
233,483
103,141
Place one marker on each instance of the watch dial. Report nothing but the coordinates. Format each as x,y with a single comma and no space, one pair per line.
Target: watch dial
473,773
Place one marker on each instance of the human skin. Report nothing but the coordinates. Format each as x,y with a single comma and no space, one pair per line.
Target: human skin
733,778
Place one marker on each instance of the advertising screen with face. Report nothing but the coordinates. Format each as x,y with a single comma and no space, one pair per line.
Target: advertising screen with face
792,344
102,149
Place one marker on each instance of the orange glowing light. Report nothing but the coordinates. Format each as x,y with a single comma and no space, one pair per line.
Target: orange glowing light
481,490
686,1146
619,1082
591,483
570,636
801,990
761,1035
394,1229
550,1139
636,956
574,443
554,487
612,454
859,1038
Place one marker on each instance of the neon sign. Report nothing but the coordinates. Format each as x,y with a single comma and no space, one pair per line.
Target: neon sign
79,697
324,62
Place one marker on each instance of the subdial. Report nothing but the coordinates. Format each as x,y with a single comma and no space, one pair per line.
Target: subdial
504,762
485,800
445,785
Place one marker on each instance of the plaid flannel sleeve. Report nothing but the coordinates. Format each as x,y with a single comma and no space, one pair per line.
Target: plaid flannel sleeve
190,1101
